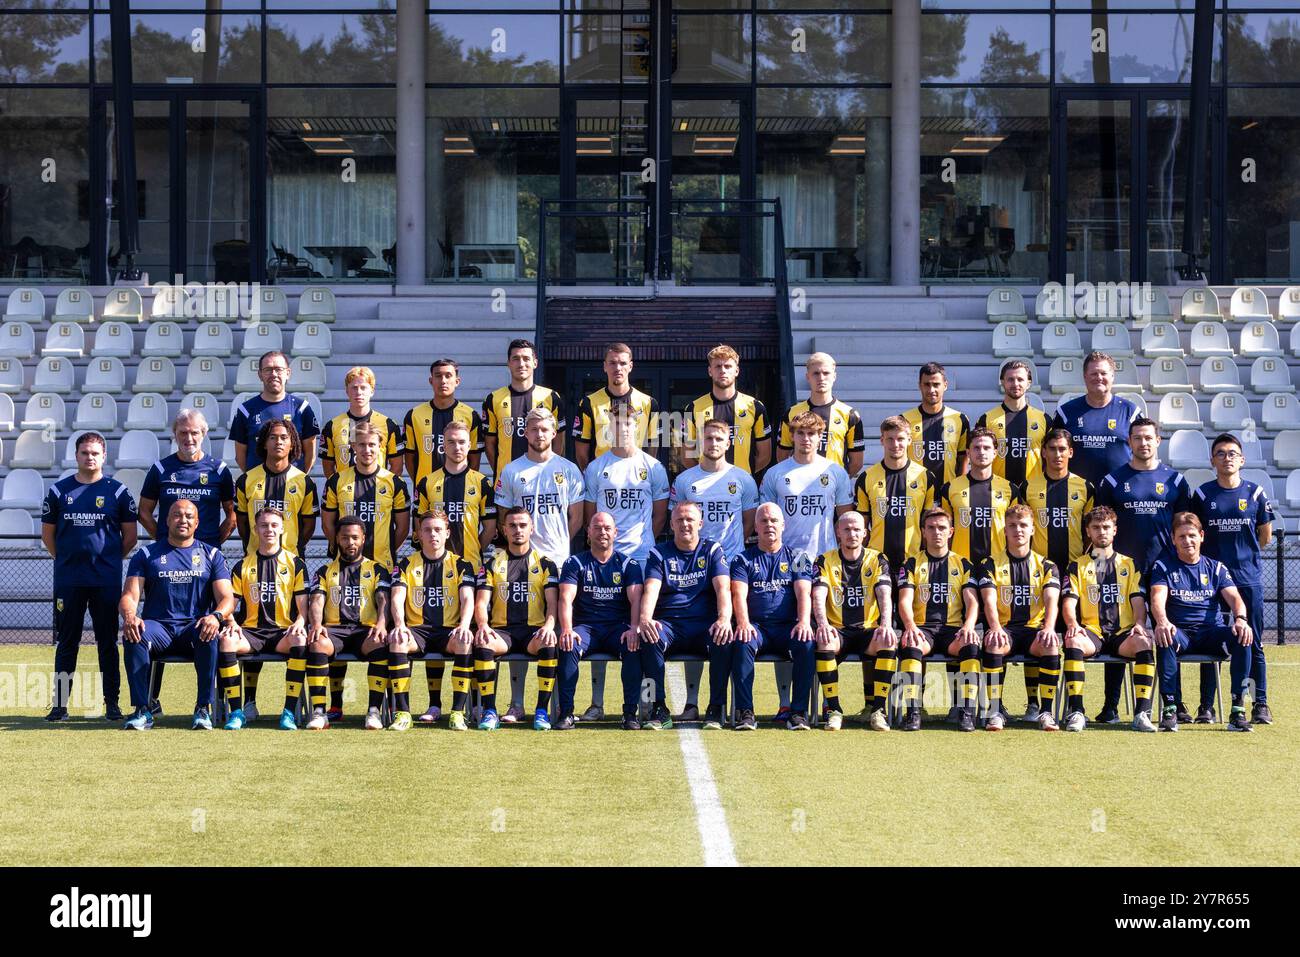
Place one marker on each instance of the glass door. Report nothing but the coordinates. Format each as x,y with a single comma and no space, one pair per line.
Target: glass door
1095,217
218,182
1166,142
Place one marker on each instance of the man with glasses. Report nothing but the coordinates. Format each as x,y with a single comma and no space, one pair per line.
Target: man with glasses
274,402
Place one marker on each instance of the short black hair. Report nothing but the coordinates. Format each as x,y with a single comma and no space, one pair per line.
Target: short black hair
932,368
348,521
1227,437
515,510
444,362
1142,422
85,437
521,344
1059,433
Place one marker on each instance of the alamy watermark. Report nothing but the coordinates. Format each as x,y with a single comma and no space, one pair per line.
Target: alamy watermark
1096,300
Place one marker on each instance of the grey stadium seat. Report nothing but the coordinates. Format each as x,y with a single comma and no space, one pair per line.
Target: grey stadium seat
74,304
96,411
66,339
312,339
246,379
1066,375
1160,338
1061,339
1288,304
1178,410
105,375
308,374
27,304
1286,449
317,302
1112,338
1229,410
1169,374
138,450
1126,375
1279,411
263,337
1188,448
133,479
1138,399
11,375
114,338
155,374
1248,304
205,374
1152,305
168,303
164,338
1259,339
124,304
8,417
1262,479
1293,488
16,523
148,410
271,305
1270,375
206,403
1210,338
45,410
54,375
213,339
1220,375
23,488
1050,306
33,450
1200,304
17,339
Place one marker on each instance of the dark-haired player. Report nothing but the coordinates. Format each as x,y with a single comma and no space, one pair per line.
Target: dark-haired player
1017,426
426,424
938,433
506,410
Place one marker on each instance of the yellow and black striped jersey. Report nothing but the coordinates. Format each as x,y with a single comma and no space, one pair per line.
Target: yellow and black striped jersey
268,587
978,508
423,428
1019,441
851,587
432,588
336,445
350,591
1059,506
891,502
291,491
1020,584
843,433
938,440
375,499
746,416
1104,589
504,414
591,424
467,498
518,585
938,586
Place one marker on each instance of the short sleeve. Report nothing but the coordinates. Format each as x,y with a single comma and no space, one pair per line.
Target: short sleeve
688,424
983,574
1105,492
485,580
571,573
633,574
969,574
318,581
717,561
408,431
401,498
552,573
126,510
331,503
241,494
740,569
1263,509
152,487
577,487
1070,586
909,572
139,564
310,499
589,480
557,409
310,427
843,487
218,565
584,424
384,581
489,417
327,446
801,568
762,428
767,492
784,439
239,427
1158,575
475,431
1051,575
396,439
654,566
1223,577
225,483
658,482
468,576
300,579
963,440
505,497
749,492
1183,500
489,498
857,435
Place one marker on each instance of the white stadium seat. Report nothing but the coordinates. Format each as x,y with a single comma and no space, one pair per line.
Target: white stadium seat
54,375
148,410
218,303
213,339
1169,374
124,304
1050,305
105,375
1188,449
27,304
1138,400
1262,479
155,374
228,456
45,410
1280,410
1200,304
317,302
34,450
114,338
1160,338
1286,449
1112,338
1292,488
206,403
1295,339
1270,375
1210,338
234,406
1126,375
138,450
1011,341
17,339
308,374
168,303
16,522
1220,375
246,379
1066,375
205,374
1288,304
1061,339
11,375
313,339
1109,305
96,411
1259,339
1195,478
65,339
7,415
1229,410
1251,447
23,488
271,305
74,304
263,337
1178,410
1248,304
164,339
1152,305
133,479
314,403
70,449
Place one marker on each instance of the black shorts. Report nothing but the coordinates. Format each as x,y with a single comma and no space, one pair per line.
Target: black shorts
1110,643
349,638
941,637
431,638
263,640
517,637
1022,636
854,641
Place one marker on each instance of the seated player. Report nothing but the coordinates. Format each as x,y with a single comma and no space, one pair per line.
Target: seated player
771,593
514,610
1020,590
938,606
271,584
432,608
600,606
176,597
348,612
685,608
1186,588
852,595
1105,610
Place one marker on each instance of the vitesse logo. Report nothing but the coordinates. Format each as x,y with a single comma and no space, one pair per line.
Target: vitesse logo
59,604
1241,504
203,479
825,480
700,562
559,478
1160,488
618,578
195,559
642,475
732,488
99,501
785,567
1205,579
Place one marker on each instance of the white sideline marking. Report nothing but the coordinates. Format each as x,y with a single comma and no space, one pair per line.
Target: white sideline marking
709,815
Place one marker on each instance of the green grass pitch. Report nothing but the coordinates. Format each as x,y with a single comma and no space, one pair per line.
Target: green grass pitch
86,793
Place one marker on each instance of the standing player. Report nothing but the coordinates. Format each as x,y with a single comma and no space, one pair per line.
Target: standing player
938,434
190,473
176,598
809,488
1238,522
88,525
977,503
600,607
514,610
1186,588
592,435
771,593
432,610
336,450
1098,420
426,424
368,491
274,404
751,447
1016,425
842,440
686,606
891,496
505,411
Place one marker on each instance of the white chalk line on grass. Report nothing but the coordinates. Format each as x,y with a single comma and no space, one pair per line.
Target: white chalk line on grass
710,818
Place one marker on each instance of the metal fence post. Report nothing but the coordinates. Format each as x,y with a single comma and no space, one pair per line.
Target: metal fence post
1280,599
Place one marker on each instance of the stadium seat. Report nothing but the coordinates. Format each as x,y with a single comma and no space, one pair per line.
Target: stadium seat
1200,304
11,376
246,379
1248,304
124,304
1195,478
314,403
1151,305
74,304
1188,449
308,374
114,338
17,339
66,339
1251,447
1061,339
1178,410
70,449
163,339
1292,488
147,411
263,337
168,303
1169,374
1160,338
312,339
1031,397
7,415
1126,375
133,479
1288,304
1066,375
234,406
1050,305
27,304
1262,479
155,374
205,374
1286,449
206,403
1295,340
317,302
1220,375
270,306
23,488
1259,339
16,523
1229,410
213,339
45,410
54,375
1279,411
1137,399
34,450
96,411
138,450
1112,338
105,375
1210,338
228,456
218,303
1107,306
1270,375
